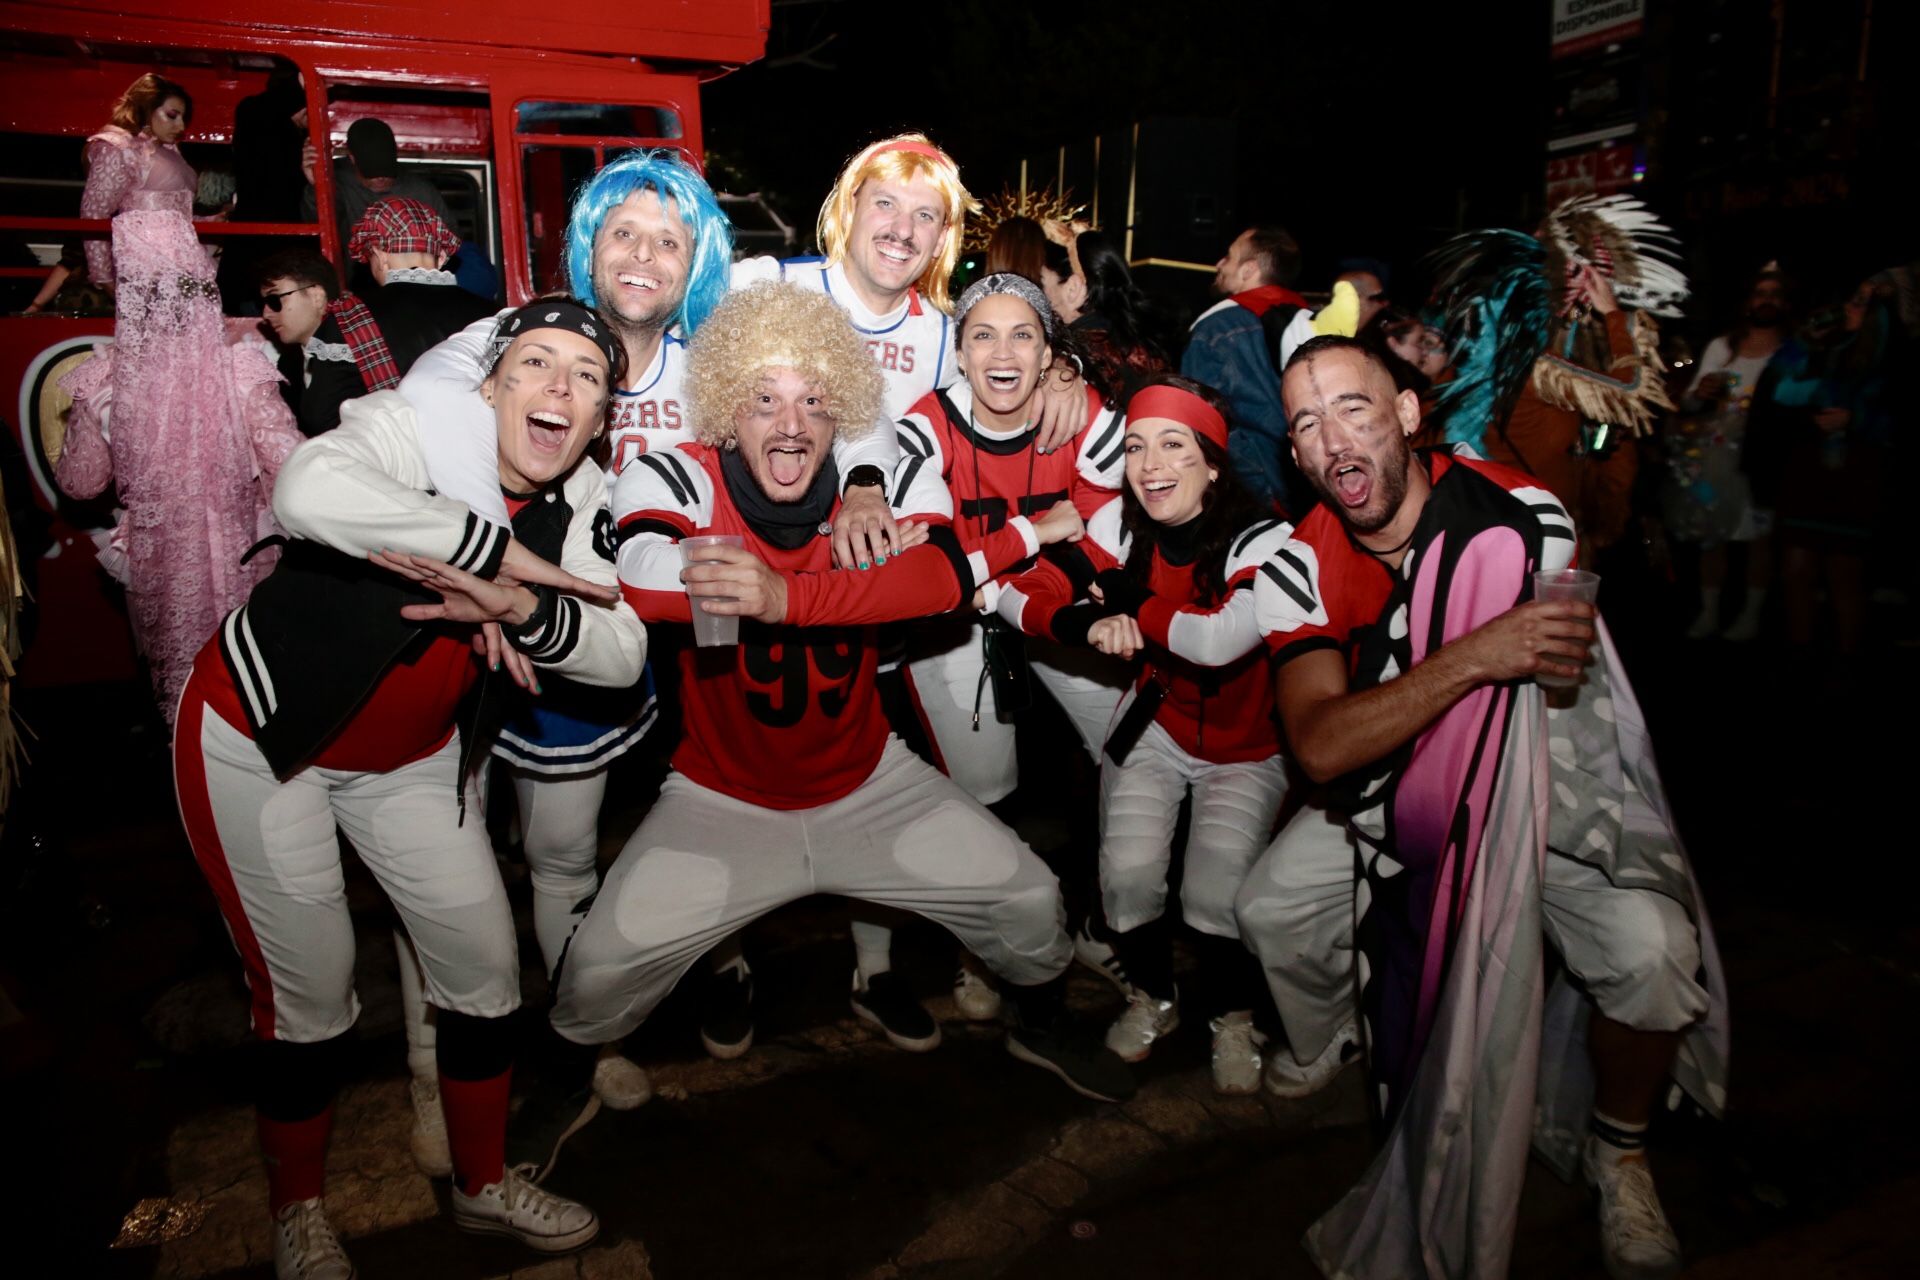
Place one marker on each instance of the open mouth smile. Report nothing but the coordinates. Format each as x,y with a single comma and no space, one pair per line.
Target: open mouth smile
1352,483
548,431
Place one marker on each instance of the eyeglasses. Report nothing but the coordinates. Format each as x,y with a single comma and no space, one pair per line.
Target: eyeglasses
273,301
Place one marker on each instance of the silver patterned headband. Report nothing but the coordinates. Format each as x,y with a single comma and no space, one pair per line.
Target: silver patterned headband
1003,282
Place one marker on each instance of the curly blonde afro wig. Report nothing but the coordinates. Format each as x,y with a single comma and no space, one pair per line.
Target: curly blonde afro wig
776,325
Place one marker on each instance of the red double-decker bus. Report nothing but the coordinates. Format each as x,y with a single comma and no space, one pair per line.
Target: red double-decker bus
506,107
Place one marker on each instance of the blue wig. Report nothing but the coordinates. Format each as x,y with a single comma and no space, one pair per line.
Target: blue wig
669,177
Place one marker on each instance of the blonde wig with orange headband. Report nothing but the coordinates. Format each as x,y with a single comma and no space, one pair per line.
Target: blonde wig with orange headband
901,159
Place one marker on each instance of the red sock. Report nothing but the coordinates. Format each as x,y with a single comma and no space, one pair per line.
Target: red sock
477,1129
296,1154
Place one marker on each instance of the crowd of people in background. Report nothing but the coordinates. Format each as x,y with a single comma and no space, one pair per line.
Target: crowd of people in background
1280,568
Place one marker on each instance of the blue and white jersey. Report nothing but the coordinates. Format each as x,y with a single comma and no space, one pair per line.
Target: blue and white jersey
650,415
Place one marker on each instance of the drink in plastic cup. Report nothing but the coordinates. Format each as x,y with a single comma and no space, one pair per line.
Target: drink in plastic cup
710,629
1564,584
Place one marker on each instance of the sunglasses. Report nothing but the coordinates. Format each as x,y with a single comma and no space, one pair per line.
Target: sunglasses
273,301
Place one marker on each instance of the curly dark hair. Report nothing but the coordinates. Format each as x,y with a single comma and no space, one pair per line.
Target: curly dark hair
1226,511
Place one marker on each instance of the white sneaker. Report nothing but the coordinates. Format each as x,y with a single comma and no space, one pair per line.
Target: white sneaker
304,1246
974,997
517,1206
431,1155
1132,1034
619,1081
1635,1241
1236,1053
1288,1078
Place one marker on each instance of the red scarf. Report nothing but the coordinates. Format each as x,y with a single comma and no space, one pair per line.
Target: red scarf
1267,297
369,346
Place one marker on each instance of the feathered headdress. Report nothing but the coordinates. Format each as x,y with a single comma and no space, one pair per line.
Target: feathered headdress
1511,315
1627,242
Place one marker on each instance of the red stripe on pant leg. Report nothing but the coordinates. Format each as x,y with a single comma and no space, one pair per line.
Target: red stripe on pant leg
196,813
926,725
295,1153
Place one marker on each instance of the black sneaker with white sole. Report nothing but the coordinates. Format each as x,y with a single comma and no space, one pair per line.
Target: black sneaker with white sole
1098,954
1077,1054
726,1015
884,1002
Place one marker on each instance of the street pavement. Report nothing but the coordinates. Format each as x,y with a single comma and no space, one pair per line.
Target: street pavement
825,1152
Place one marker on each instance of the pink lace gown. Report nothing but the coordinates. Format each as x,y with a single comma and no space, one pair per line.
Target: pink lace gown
191,429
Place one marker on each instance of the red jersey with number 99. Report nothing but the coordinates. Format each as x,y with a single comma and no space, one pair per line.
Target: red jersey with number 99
790,717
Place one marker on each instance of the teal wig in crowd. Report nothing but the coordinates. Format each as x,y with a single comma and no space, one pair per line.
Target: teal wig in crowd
671,178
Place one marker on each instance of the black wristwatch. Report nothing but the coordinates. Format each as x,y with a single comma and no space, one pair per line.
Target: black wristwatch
867,475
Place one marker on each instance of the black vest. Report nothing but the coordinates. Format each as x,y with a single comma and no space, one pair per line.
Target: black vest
316,636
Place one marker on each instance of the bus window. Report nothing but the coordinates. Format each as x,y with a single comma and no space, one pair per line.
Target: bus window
598,120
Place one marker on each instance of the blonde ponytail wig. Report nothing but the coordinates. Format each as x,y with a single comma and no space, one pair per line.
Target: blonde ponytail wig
902,158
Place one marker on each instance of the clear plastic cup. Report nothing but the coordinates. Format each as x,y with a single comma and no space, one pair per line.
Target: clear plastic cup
710,629
1564,584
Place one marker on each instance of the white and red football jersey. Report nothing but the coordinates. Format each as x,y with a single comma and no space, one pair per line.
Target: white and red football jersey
1319,588
1219,702
994,477
788,718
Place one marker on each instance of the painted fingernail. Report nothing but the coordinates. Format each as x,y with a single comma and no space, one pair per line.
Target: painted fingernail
492,665
881,560
865,565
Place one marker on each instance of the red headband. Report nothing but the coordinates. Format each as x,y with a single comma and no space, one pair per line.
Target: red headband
916,148
1183,407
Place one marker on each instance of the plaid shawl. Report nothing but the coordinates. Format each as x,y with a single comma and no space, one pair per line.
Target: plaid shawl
369,346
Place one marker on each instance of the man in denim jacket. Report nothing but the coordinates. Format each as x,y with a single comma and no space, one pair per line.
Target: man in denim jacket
1231,349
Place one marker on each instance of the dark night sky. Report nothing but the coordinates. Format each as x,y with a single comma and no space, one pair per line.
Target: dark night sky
1363,127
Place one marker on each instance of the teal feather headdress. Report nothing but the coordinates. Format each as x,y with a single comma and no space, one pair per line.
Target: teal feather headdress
1493,308
1500,302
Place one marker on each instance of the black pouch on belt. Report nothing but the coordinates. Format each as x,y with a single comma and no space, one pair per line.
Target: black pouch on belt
1005,650
1134,723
